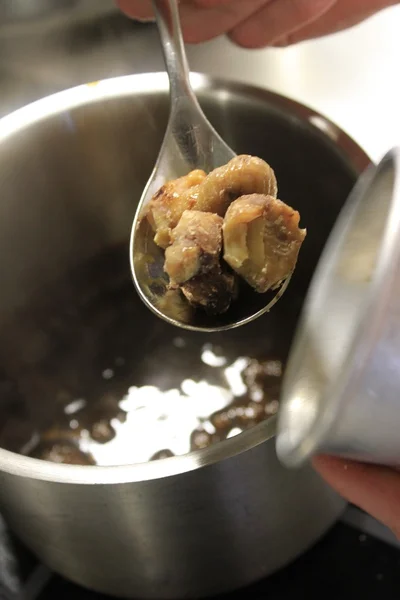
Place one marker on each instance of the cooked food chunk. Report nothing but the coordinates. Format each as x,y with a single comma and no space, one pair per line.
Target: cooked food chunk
217,226
192,262
174,304
208,193
242,175
212,291
196,246
262,240
168,204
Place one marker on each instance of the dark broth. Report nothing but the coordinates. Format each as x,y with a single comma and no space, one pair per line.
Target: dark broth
90,376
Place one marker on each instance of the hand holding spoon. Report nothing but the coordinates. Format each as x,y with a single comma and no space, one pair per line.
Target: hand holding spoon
190,143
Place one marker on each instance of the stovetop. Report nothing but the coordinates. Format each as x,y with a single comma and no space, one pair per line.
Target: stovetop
357,558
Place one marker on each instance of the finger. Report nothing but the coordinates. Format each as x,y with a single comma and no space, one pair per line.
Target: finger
201,20
373,488
318,30
335,20
136,9
276,19
203,24
143,9
210,3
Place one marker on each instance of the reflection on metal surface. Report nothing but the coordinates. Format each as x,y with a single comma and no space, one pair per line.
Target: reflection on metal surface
325,126
220,400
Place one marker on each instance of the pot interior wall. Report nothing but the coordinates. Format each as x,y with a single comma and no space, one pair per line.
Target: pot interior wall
71,324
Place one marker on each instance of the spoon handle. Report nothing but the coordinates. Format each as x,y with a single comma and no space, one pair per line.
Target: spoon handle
169,25
190,141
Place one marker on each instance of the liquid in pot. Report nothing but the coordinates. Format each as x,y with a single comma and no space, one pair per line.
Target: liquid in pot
92,377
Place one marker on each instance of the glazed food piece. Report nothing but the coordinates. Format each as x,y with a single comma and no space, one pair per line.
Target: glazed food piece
196,246
242,175
174,303
262,240
168,204
234,208
209,193
193,263
212,292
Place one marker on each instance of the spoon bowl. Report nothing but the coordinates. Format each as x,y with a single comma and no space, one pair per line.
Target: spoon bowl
190,142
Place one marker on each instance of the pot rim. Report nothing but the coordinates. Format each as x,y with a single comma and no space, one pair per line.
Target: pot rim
89,93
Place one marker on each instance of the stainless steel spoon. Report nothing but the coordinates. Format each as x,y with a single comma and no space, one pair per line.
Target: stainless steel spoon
190,142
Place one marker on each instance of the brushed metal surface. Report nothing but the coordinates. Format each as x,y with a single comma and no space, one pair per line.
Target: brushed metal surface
341,392
72,168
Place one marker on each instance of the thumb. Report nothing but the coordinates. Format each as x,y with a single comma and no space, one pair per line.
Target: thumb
373,488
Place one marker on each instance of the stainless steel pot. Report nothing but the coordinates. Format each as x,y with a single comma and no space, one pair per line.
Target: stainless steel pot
341,390
72,168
